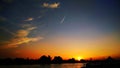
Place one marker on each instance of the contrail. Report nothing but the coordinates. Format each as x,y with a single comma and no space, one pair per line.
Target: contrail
62,20
8,31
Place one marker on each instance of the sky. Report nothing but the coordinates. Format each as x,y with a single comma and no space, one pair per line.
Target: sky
67,28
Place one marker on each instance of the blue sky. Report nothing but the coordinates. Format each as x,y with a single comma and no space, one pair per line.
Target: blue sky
33,22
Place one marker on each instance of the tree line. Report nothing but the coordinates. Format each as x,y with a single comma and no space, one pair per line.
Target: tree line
48,60
42,60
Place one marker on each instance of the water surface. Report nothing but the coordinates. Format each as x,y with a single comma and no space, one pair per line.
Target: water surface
66,65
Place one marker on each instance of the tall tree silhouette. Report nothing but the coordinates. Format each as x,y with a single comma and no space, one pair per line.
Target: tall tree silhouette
57,59
44,59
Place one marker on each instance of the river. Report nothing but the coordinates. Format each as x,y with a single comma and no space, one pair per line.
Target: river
65,65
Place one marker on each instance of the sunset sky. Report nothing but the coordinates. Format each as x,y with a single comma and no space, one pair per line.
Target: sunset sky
67,28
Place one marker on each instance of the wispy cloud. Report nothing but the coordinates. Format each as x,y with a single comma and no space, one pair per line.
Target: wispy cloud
63,19
7,30
52,5
20,37
26,25
39,17
29,19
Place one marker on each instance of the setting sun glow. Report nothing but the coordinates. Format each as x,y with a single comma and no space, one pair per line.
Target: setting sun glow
79,58
71,29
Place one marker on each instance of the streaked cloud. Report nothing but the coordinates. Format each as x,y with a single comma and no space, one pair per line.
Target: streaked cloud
26,25
39,16
63,19
52,5
29,19
8,31
21,37
15,42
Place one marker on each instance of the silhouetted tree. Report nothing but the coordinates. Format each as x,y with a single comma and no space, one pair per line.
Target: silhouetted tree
72,60
109,60
20,61
82,60
45,59
57,59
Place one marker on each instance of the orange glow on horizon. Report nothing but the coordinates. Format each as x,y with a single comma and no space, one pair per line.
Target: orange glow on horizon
70,48
79,58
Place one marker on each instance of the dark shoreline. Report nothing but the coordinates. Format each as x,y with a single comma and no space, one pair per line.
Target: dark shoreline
46,60
42,60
